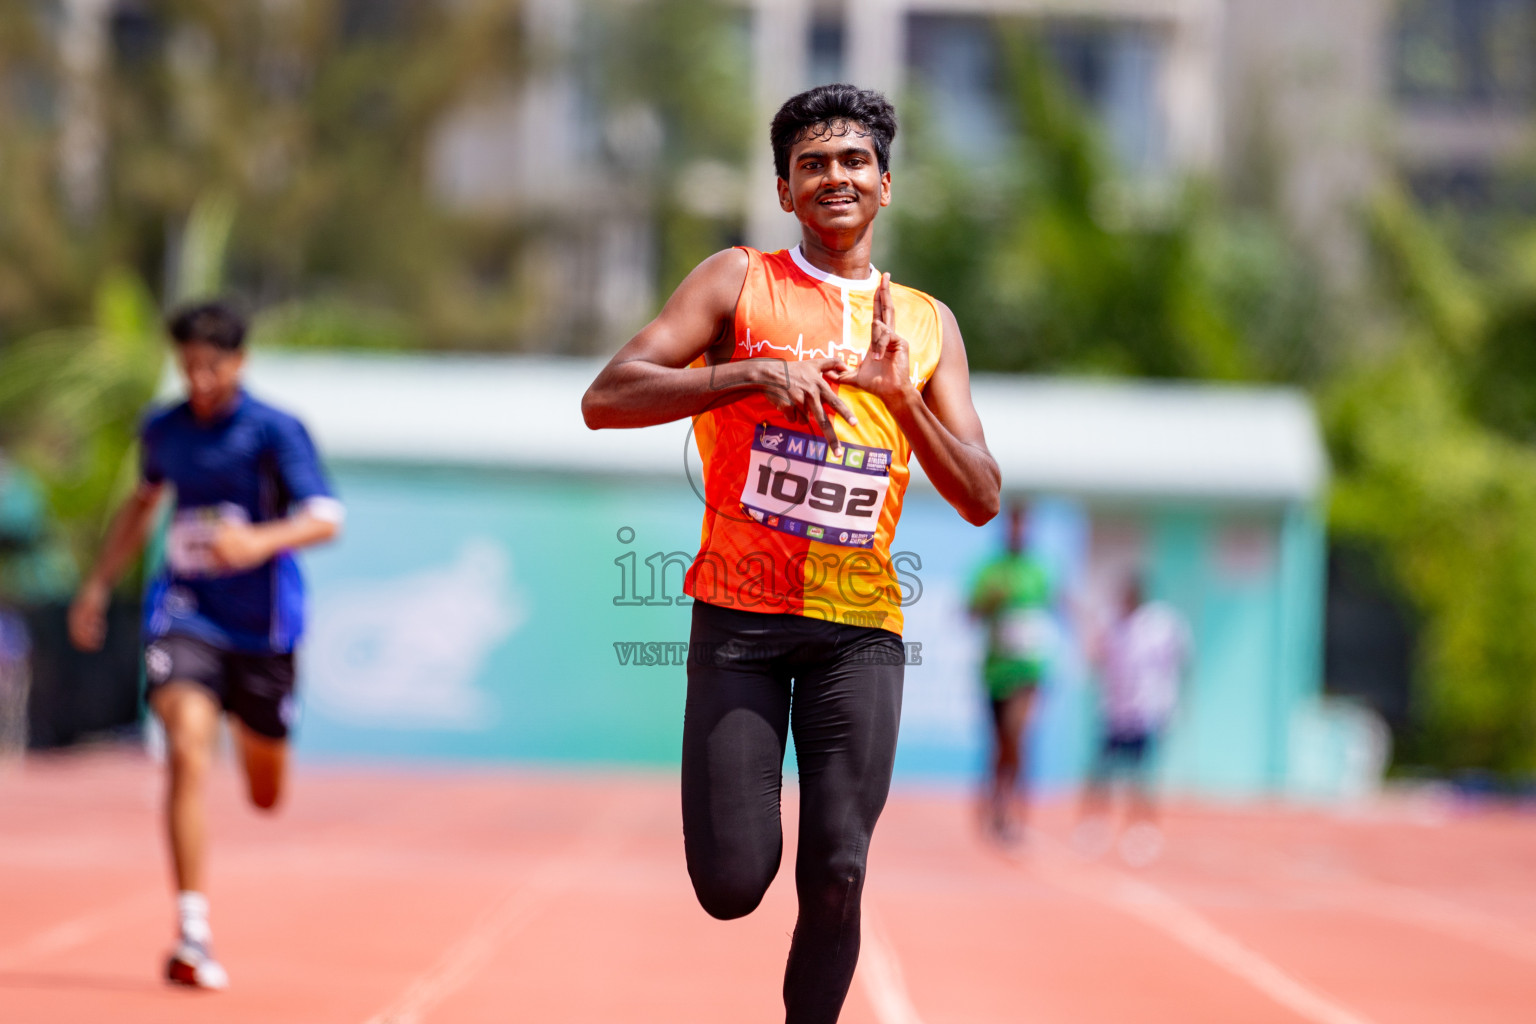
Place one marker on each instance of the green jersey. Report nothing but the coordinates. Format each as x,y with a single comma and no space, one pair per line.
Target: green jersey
1012,595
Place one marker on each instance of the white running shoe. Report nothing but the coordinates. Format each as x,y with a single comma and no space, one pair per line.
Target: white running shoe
1093,838
193,964
1141,844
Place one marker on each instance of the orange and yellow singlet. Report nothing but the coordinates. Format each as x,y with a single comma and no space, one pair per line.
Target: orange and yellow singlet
789,526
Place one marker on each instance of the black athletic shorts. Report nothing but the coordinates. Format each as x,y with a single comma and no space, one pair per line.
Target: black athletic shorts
256,688
1126,751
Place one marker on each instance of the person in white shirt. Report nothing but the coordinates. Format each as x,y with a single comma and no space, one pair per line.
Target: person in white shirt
1142,661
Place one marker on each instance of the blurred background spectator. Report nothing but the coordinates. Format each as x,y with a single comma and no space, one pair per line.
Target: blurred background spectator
1012,598
1142,660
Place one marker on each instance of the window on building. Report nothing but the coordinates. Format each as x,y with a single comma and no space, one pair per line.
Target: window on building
825,47
1473,187
1113,66
374,19
955,63
136,33
1466,53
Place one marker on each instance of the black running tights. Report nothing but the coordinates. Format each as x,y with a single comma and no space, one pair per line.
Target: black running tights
751,678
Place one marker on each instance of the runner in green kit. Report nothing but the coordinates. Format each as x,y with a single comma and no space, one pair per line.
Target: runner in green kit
1012,596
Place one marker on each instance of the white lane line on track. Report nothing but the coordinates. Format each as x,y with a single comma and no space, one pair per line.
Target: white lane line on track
1164,912
1178,921
879,972
465,958
1447,918
77,931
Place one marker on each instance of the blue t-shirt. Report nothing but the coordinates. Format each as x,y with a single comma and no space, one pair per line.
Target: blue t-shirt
250,466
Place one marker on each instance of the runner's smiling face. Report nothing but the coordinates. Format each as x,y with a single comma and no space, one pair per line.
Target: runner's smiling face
835,183
212,375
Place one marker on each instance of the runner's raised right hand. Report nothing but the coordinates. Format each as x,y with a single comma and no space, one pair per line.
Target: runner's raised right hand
806,393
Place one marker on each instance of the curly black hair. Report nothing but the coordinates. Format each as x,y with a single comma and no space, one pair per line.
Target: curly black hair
216,323
833,110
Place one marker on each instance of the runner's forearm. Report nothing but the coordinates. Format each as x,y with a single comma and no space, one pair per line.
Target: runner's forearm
638,393
300,530
965,475
125,537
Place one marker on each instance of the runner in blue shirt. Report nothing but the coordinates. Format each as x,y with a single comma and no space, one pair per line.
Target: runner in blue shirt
223,615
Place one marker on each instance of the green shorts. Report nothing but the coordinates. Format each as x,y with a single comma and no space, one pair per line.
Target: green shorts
1006,676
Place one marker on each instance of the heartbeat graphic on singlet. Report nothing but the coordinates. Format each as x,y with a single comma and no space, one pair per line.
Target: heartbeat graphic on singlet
798,349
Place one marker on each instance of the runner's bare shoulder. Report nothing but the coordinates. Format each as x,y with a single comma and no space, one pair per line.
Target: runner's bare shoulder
717,281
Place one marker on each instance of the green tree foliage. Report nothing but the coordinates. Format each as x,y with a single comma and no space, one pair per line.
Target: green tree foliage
1054,261
1431,434
47,270
70,402
71,398
320,122
1054,264
316,120
688,63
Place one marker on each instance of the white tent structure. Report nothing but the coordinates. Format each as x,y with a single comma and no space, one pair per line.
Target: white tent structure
1084,437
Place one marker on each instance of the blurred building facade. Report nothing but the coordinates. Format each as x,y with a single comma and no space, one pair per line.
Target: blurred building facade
1309,105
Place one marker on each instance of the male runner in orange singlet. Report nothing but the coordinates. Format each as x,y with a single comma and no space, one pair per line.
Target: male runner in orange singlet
812,380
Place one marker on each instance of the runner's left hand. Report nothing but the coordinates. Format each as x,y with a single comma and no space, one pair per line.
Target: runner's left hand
88,616
885,370
238,547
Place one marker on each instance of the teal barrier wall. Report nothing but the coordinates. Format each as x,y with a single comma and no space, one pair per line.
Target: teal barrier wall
497,616
472,615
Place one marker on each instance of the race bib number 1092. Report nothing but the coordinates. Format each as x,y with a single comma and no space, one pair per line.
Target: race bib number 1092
796,484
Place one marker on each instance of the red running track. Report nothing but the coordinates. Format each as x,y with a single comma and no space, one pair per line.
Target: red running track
453,897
